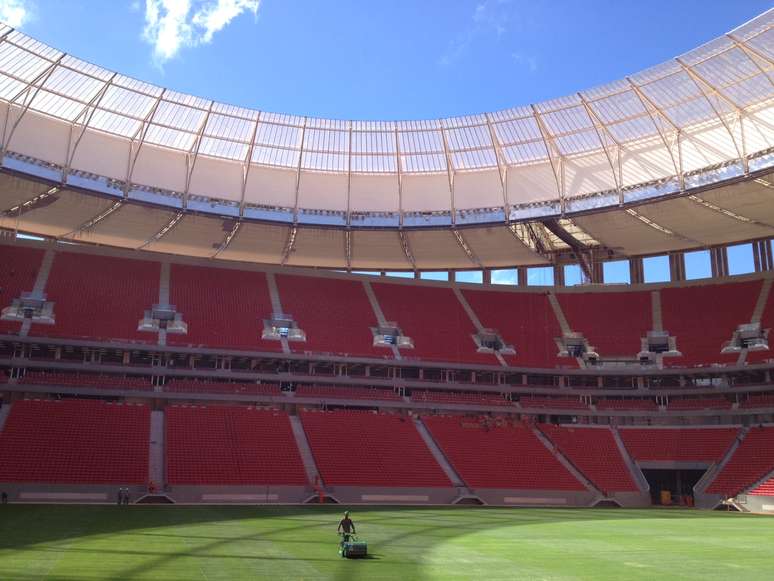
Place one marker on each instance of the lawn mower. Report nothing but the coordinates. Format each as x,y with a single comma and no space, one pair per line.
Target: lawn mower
352,547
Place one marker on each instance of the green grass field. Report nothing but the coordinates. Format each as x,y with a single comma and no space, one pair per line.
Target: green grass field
166,543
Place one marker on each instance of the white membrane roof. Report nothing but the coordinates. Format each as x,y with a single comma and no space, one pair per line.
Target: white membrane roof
709,110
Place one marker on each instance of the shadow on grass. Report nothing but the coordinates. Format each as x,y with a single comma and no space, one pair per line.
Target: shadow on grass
399,528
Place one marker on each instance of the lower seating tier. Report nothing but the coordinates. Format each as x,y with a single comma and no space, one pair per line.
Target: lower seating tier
358,448
499,454
678,444
594,452
75,442
229,445
753,460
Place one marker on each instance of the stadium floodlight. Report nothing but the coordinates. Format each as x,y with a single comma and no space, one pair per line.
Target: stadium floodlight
30,306
163,317
282,326
748,336
490,341
389,334
574,344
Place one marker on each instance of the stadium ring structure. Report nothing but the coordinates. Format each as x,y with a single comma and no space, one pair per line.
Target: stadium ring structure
671,158
228,380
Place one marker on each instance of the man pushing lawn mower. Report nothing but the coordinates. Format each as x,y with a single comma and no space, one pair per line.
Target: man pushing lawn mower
350,546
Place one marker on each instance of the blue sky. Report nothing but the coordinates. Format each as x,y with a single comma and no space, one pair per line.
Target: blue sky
398,59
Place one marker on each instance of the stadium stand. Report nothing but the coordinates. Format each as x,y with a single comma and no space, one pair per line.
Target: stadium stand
767,322
490,454
562,403
358,448
714,403
220,387
361,393
441,332
525,320
334,313
491,399
646,405
613,322
100,297
75,442
136,383
678,444
753,460
229,445
704,317
594,452
764,489
18,271
758,400
229,315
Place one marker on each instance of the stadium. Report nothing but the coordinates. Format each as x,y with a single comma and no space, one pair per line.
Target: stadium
242,323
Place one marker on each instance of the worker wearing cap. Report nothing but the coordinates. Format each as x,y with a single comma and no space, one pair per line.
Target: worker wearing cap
347,527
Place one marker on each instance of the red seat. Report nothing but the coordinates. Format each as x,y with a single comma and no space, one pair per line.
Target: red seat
229,445
359,448
499,455
75,442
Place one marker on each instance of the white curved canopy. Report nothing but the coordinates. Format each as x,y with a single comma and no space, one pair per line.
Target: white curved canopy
705,116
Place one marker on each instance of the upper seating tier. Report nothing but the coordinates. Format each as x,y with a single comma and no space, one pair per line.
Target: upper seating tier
434,318
524,320
612,322
223,307
334,313
100,297
704,317
18,270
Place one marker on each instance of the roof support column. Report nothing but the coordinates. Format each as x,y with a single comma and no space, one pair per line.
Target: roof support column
676,266
719,261
636,270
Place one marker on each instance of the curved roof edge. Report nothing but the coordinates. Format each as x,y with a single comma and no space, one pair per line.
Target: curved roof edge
704,117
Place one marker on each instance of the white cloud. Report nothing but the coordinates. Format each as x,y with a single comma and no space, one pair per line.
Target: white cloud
171,25
489,16
15,12
525,60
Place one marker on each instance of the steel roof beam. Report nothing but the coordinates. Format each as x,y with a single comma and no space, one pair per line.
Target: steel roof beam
615,168
449,172
91,107
290,244
193,153
502,166
699,82
136,144
406,246
466,248
229,237
580,249
247,163
36,84
168,227
298,171
555,157
650,109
